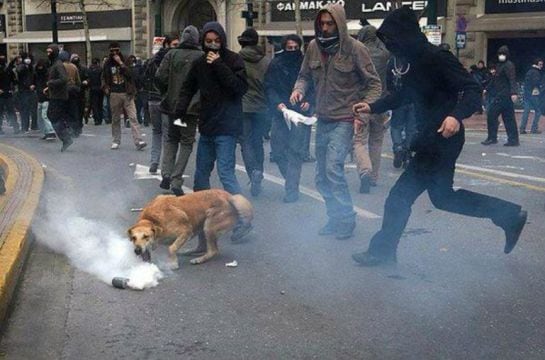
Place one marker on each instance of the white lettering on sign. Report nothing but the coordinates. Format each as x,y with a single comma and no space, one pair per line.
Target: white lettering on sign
307,5
386,6
71,19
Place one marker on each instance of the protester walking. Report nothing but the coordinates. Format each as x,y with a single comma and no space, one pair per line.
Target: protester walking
96,95
342,73
40,81
180,134
532,96
118,83
444,94
287,143
159,121
254,106
25,93
502,93
221,79
7,85
57,92
369,130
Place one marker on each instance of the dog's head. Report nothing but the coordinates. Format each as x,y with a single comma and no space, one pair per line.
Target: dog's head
144,236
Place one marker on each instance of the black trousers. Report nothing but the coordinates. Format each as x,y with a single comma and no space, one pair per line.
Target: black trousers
432,170
6,107
502,106
97,101
58,114
28,109
289,148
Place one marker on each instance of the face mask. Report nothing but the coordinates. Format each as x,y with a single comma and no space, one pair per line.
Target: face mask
502,58
292,55
28,61
329,44
75,61
212,47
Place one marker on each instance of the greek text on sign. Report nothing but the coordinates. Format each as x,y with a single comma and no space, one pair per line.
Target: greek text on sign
306,5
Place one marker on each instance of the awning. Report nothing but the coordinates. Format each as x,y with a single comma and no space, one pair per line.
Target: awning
507,22
68,36
281,28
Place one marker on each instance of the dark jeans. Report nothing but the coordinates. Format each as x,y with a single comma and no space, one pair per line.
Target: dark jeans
106,111
219,149
97,100
433,171
289,150
531,103
402,127
6,107
28,110
159,128
333,143
177,149
74,111
142,109
57,112
254,128
504,107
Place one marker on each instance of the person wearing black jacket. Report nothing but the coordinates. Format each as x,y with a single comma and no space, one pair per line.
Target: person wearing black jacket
96,95
84,78
25,89
502,92
444,94
532,96
7,84
221,78
40,81
288,145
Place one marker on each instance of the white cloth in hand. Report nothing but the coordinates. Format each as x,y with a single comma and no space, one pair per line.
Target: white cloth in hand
293,117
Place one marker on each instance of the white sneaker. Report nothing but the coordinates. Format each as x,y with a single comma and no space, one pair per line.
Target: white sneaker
115,146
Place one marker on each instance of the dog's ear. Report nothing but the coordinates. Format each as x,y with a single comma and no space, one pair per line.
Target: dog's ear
129,232
157,230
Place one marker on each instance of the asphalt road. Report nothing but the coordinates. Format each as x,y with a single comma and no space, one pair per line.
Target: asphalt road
294,295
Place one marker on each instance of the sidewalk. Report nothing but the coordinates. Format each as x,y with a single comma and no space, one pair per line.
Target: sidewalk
24,179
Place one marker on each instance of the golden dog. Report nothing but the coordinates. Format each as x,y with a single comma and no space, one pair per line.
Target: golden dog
208,214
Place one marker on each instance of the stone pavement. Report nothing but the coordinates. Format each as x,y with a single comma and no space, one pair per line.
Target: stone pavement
23,181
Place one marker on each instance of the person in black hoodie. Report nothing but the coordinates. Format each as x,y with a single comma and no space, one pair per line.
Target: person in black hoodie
502,92
7,84
25,88
40,81
444,94
288,145
221,78
96,94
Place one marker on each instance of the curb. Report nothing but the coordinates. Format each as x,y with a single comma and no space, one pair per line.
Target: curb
24,180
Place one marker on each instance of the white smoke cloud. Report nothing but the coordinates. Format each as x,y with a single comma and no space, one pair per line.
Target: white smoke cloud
93,246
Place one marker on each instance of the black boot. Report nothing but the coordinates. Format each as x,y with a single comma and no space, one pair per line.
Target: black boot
369,260
365,184
165,183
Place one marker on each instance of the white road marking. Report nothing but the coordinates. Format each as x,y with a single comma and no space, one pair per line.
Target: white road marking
141,172
313,194
502,173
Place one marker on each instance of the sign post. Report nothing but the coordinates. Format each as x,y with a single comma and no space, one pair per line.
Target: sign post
461,39
249,15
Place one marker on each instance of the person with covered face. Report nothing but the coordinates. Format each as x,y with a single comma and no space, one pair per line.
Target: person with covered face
118,83
256,121
96,95
221,78
287,144
444,94
57,92
25,92
502,93
179,137
7,85
340,70
40,80
532,96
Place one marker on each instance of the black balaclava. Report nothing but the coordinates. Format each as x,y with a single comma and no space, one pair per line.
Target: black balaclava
294,56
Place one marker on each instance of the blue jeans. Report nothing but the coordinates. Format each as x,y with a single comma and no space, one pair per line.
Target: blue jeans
531,102
220,149
43,120
333,143
159,129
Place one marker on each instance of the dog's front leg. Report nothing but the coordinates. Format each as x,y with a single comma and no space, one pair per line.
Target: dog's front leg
173,249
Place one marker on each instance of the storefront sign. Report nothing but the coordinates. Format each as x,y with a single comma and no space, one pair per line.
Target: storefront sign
433,33
513,6
355,9
70,19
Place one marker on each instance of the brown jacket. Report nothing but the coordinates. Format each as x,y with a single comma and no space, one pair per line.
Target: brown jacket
341,80
73,74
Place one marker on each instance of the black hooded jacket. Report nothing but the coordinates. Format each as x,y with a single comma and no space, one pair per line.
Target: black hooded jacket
436,82
504,83
222,85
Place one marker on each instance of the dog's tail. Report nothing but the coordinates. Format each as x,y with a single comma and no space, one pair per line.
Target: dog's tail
244,209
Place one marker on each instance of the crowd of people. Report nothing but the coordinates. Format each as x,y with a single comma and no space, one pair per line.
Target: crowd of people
196,83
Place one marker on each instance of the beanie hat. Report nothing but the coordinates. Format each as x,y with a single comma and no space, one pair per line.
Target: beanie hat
248,37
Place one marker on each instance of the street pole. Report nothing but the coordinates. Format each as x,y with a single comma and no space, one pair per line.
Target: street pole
432,12
54,22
